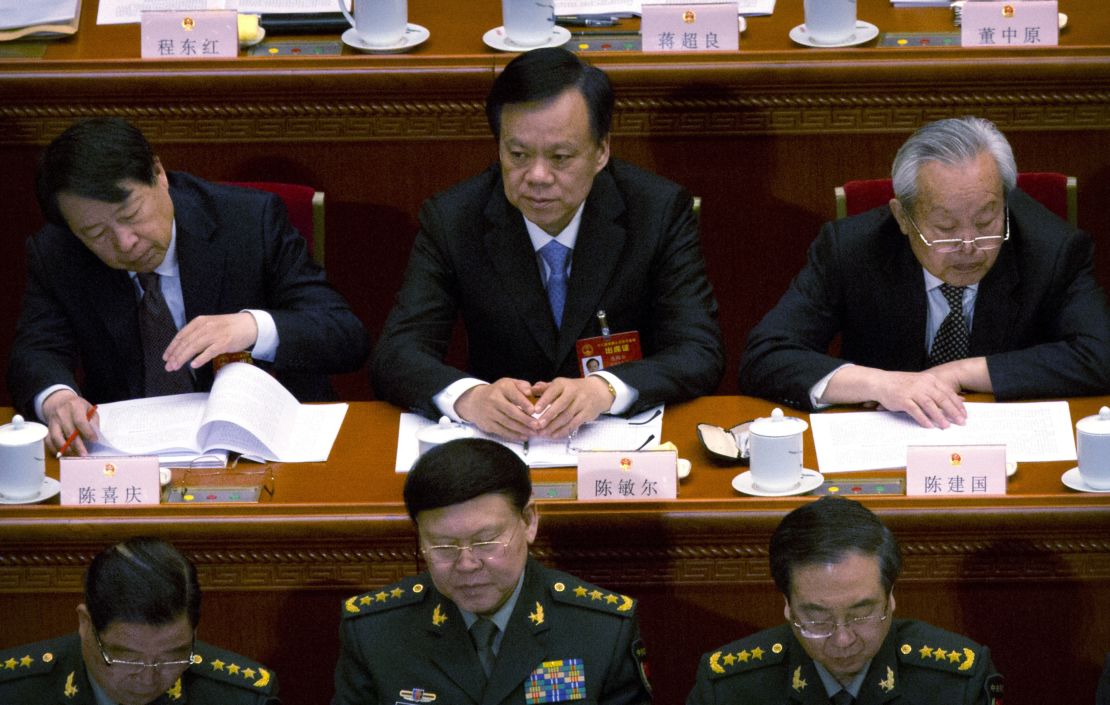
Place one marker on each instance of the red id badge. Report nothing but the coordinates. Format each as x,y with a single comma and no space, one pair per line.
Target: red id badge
607,351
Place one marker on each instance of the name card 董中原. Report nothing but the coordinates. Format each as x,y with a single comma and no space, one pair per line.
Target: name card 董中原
199,34
1016,23
666,25
955,471
109,482
619,476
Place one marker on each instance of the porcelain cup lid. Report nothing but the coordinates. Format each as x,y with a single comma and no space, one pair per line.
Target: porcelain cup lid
1098,425
20,432
778,425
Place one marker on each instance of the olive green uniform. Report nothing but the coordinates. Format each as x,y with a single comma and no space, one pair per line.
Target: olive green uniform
917,664
566,640
52,672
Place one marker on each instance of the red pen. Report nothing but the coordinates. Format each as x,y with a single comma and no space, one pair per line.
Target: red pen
73,436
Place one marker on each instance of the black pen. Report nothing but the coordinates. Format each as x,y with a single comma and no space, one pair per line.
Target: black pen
578,21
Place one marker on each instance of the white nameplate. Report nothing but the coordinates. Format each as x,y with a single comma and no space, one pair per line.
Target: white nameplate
108,482
199,34
619,476
690,26
955,471
1032,23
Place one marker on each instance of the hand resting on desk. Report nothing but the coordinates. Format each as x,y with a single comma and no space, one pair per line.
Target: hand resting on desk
930,397
65,412
505,409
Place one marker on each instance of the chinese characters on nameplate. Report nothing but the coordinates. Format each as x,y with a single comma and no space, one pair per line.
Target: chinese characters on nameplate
1033,23
689,26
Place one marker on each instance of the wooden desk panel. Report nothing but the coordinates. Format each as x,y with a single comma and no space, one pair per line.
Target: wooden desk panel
1026,574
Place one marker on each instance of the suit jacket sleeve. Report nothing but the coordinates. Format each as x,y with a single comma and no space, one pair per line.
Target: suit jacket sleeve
785,354
1066,351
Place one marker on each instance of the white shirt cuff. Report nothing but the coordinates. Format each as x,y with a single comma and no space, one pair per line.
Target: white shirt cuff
265,347
817,390
626,395
446,398
41,397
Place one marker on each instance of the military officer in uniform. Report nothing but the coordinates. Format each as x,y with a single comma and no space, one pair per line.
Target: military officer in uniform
135,644
836,564
486,624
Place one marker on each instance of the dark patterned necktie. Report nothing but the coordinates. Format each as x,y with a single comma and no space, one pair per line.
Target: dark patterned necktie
842,697
952,339
555,254
157,329
483,632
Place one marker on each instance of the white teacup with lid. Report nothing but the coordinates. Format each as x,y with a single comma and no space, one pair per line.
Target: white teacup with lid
22,458
1093,448
776,452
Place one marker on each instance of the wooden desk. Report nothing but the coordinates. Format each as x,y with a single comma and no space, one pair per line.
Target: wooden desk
762,135
1027,574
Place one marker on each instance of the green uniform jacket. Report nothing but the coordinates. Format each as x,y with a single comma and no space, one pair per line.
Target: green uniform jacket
917,664
407,643
52,672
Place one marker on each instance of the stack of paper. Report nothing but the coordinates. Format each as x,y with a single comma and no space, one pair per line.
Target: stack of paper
920,3
41,18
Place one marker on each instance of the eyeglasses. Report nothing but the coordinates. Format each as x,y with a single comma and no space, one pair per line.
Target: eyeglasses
982,242
133,668
481,551
823,630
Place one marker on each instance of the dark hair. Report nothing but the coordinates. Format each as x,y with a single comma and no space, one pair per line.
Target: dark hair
142,580
463,469
826,531
90,159
542,74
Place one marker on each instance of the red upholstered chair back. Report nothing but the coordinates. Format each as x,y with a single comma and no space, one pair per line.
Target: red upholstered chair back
306,210
1056,192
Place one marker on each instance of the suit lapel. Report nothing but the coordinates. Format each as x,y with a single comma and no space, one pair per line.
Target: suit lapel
903,291
200,263
995,306
597,252
450,647
522,648
510,252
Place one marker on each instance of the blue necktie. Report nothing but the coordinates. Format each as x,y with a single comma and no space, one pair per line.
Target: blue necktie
555,255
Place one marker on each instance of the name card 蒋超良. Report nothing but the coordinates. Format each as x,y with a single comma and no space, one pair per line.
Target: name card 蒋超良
667,25
632,475
199,34
1015,23
955,471
110,482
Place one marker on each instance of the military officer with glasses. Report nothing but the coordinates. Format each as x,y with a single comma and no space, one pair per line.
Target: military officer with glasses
486,623
836,564
963,283
135,643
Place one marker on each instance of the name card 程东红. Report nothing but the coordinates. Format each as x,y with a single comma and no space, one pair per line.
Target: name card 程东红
109,482
955,471
666,25
620,476
1010,24
199,34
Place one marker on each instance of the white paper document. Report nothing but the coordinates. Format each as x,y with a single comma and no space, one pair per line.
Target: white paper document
873,440
127,11
24,13
606,433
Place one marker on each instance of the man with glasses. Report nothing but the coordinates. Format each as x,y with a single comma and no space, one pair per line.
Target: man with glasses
486,624
836,564
962,283
135,643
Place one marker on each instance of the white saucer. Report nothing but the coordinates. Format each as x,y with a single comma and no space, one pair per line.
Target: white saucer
811,480
253,42
414,36
865,32
496,39
1074,480
48,489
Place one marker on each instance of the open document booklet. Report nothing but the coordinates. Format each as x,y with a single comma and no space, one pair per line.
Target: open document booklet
247,412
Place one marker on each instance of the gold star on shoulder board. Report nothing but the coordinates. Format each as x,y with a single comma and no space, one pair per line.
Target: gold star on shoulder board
537,616
396,592
743,656
729,659
954,656
611,599
365,600
940,654
798,683
233,669
757,653
10,664
925,652
438,618
888,684
248,673
381,596
595,595
580,591
26,661
217,665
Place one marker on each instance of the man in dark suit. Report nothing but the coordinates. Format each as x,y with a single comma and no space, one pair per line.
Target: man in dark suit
531,251
230,272
836,565
136,642
1031,320
486,624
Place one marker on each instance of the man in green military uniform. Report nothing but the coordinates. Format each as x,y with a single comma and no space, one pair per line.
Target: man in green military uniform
836,564
486,624
136,643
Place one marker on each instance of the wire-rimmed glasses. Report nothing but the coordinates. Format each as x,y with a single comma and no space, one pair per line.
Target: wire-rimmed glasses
946,245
